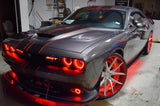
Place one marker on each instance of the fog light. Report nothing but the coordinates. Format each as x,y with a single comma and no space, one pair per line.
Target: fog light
76,91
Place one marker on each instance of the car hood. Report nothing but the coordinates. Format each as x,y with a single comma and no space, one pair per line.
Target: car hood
67,38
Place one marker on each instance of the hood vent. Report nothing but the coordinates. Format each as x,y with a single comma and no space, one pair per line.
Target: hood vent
45,35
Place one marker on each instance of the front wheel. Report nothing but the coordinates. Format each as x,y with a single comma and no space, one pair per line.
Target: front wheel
113,76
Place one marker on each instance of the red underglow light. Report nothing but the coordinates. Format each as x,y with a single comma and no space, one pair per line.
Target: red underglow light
12,82
53,67
12,49
66,69
79,64
78,71
45,102
76,91
132,70
77,98
13,74
67,61
6,47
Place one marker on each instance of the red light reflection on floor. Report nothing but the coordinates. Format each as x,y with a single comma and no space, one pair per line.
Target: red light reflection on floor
132,70
44,102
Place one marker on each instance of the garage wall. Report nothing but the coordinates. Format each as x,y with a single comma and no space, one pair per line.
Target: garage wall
75,4
40,11
156,33
110,2
24,15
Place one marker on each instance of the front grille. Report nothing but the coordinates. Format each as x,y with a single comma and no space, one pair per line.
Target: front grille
31,57
38,59
43,87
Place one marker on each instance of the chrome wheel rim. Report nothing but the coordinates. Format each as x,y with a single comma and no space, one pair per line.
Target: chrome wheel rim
113,76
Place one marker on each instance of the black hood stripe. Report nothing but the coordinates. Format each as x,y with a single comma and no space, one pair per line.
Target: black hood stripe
27,45
59,38
21,41
59,29
30,46
67,30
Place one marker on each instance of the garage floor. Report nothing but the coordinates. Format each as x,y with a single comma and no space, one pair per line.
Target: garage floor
142,87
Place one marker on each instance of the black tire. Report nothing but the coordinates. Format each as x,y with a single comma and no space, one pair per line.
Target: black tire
148,46
113,76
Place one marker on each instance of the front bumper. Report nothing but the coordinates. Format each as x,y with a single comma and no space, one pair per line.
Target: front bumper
52,94
37,80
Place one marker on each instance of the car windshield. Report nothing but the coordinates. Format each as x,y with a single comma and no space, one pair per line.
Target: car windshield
114,19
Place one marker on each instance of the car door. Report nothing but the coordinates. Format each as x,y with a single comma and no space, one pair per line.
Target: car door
135,41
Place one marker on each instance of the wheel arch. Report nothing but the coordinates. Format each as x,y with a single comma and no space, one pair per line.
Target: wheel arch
119,51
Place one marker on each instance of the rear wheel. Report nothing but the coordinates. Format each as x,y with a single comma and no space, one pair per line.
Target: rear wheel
113,76
148,46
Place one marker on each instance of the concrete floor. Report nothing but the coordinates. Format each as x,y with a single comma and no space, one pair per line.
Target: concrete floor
142,87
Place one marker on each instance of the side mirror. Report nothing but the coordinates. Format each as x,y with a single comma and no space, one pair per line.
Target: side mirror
140,25
141,29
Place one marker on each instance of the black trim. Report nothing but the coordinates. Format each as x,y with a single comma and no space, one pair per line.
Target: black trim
18,16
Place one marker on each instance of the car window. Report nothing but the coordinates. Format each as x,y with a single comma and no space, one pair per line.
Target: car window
114,20
98,18
82,16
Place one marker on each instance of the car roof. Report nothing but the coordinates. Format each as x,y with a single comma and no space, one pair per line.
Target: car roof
124,8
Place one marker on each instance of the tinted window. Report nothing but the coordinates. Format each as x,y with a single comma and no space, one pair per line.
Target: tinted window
98,18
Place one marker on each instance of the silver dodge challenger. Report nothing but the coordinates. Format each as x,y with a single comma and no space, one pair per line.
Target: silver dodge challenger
82,59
